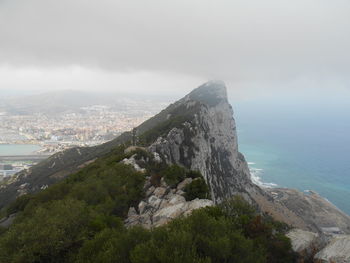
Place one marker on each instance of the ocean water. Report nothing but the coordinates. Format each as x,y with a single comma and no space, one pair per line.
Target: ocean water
295,145
17,149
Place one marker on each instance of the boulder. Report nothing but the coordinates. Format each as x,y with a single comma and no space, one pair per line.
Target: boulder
337,250
182,185
303,242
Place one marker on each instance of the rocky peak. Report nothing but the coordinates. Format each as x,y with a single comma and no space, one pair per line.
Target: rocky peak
207,141
210,93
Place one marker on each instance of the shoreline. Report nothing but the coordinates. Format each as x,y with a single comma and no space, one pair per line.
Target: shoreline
269,187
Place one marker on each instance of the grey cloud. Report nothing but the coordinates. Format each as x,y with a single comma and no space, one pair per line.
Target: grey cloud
271,41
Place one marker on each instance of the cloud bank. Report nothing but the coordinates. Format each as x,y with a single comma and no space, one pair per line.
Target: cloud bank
255,46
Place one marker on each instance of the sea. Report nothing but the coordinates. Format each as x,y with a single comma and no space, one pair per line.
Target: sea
18,149
298,145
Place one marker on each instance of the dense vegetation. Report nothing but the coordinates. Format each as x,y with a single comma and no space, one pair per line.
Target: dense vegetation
81,220
174,174
197,189
230,233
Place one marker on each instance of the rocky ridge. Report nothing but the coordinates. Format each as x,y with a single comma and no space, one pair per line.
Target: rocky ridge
198,132
208,143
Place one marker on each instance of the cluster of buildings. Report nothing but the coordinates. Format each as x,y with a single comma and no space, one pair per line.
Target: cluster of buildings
7,170
85,127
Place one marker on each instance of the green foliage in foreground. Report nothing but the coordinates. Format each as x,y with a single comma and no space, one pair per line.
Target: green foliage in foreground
197,189
69,231
81,220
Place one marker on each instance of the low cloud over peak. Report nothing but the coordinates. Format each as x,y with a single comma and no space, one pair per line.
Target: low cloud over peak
250,44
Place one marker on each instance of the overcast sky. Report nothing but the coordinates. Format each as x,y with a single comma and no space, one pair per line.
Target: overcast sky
169,47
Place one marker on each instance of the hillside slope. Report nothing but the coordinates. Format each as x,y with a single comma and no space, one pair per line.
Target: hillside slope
197,132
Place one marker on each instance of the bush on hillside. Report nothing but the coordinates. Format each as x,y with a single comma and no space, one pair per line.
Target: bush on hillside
174,174
193,174
80,219
197,189
208,235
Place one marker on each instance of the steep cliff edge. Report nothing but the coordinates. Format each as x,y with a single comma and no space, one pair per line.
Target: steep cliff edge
207,141
199,133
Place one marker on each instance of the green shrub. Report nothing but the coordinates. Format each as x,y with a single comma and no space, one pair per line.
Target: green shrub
174,174
155,180
51,234
193,174
196,189
81,219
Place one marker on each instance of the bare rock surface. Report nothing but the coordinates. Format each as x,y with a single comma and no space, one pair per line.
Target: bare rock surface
161,205
306,243
319,214
337,251
321,247
208,143
131,161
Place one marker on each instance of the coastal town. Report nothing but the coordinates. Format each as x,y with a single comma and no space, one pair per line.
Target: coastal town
88,126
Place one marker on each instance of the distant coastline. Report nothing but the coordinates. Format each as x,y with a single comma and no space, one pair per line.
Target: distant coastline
9,149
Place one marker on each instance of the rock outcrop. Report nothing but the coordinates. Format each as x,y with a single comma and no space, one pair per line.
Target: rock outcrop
202,136
337,250
208,142
318,213
321,247
306,243
303,240
163,204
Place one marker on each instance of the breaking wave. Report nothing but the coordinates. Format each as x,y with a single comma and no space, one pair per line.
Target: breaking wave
256,177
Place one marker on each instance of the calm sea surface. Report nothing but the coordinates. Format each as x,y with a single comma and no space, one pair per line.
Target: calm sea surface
17,149
296,146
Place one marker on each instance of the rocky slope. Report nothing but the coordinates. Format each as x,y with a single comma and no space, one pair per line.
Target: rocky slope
313,209
163,204
199,133
321,247
208,142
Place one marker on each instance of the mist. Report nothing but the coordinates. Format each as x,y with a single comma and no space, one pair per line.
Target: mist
257,48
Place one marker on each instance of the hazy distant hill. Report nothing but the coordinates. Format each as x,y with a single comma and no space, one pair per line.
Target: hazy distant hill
62,101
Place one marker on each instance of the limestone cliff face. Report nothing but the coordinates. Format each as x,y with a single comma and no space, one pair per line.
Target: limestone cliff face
208,142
